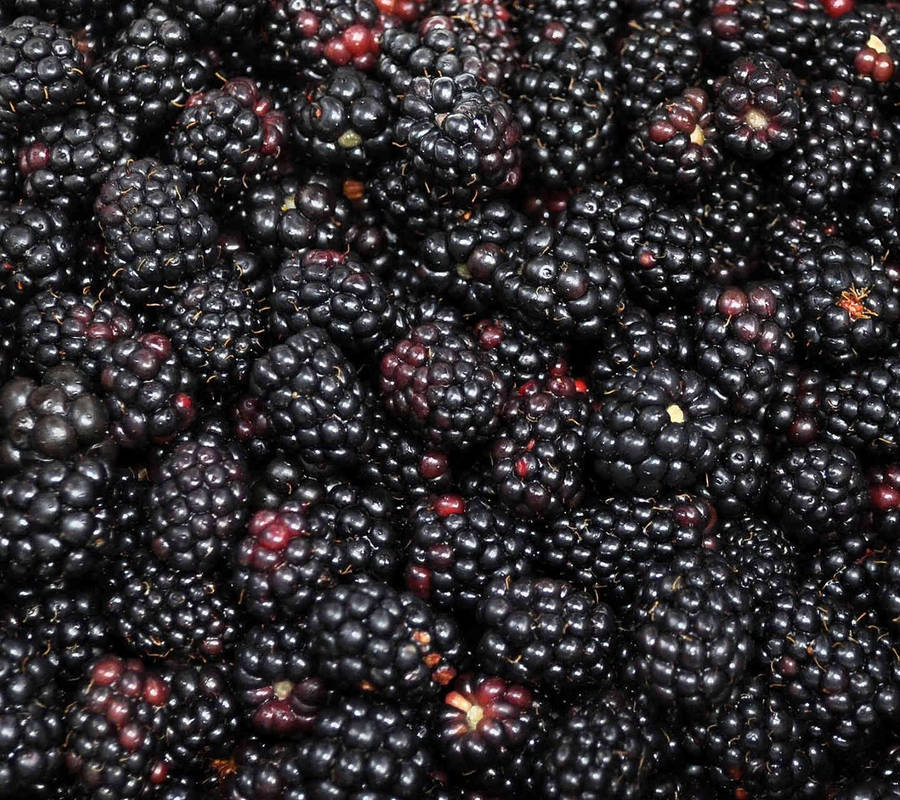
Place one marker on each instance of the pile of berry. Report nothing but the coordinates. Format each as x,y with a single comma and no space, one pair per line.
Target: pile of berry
449,400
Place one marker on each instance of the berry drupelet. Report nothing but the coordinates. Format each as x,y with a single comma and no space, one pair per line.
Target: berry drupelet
757,108
157,229
313,396
457,546
545,633
148,393
228,138
656,429
366,636
439,382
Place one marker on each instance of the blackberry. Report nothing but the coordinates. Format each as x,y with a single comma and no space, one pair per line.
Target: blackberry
9,168
743,337
675,143
63,623
313,396
66,328
41,73
537,457
692,631
516,352
312,38
841,130
148,394
65,160
367,636
545,632
818,492
559,283
888,592
861,48
218,18
603,747
636,338
401,463
735,484
114,730
861,409
884,501
259,766
345,121
71,12
282,563
149,71
55,521
36,250
58,418
757,108
681,426
202,720
459,262
488,728
197,504
31,725
794,412
563,96
790,31
848,304
583,17
786,234
457,132
852,569
439,382
836,666
457,545
663,251
274,680
228,138
216,328
657,62
757,745
336,292
356,732
609,545
159,612
729,211
156,228
293,214
762,558
878,214
485,28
